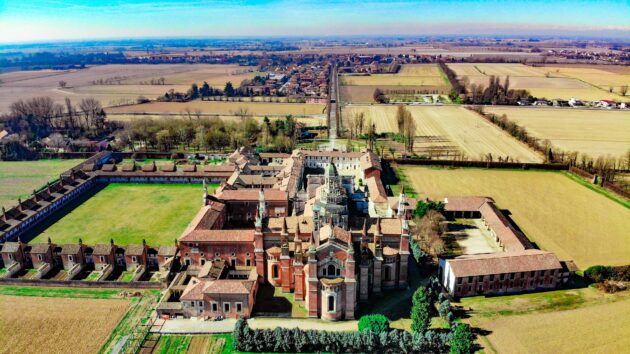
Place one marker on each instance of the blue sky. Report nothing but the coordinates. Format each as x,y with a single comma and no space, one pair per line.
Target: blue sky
37,20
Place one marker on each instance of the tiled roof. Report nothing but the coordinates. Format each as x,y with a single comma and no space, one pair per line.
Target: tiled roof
40,247
228,286
512,239
389,226
273,155
194,290
376,189
10,247
306,224
219,236
251,194
389,251
219,168
102,249
500,263
72,248
168,167
370,160
464,203
410,203
134,250
167,251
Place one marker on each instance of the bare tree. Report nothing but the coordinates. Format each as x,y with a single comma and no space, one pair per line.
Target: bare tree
91,109
623,90
242,113
62,84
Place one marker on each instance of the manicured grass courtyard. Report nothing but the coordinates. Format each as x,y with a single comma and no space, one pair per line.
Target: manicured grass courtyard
129,213
19,178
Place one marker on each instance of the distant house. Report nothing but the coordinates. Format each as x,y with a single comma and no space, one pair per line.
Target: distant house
104,255
607,104
15,253
136,256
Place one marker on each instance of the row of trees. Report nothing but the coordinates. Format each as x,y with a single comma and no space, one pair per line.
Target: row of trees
207,133
406,128
495,93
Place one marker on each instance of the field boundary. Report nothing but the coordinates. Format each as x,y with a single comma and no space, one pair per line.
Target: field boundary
483,164
79,283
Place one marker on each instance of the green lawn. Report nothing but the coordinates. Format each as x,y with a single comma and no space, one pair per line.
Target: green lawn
129,213
126,277
19,178
173,344
60,292
93,276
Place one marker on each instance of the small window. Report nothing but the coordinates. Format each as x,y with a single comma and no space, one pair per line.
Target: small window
217,254
203,261
233,262
40,257
512,275
502,276
10,256
233,254
134,259
215,307
70,258
470,279
248,262
331,303
101,258
200,303
226,307
459,280
239,307
491,277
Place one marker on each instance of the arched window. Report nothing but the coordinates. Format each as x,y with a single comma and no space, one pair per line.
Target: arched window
331,270
388,275
331,303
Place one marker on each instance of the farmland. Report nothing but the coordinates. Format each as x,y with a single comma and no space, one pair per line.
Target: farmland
115,84
129,213
539,81
197,344
556,213
592,132
225,108
566,321
602,76
447,131
419,77
31,324
18,179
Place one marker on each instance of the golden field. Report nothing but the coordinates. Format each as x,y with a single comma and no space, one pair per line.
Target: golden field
533,79
556,213
57,325
448,128
127,82
602,76
564,321
592,132
224,107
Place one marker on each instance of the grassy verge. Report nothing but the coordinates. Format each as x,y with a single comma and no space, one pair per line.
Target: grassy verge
134,326
60,292
173,344
126,277
595,188
93,276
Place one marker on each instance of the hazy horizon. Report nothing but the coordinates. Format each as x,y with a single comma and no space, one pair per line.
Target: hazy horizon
70,20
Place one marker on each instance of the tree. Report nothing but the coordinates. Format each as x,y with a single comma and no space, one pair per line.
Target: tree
422,207
420,311
623,90
205,90
228,91
62,84
371,136
374,323
462,341
194,91
444,308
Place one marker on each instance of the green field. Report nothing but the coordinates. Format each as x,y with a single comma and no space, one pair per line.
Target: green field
19,178
129,213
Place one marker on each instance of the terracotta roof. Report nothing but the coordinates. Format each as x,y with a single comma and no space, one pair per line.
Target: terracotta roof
110,167
167,251
194,290
334,153
219,168
229,286
168,167
464,203
500,263
40,247
102,249
251,194
376,189
370,160
306,224
272,155
10,247
219,236
389,227
134,250
333,281
410,203
511,239
190,168
72,248
129,167
150,167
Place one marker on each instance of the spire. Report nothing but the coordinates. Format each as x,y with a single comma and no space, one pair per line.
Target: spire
111,241
261,203
284,227
49,241
297,232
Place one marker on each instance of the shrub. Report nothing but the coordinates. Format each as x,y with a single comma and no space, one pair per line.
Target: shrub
374,323
462,341
444,308
416,251
422,207
598,273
